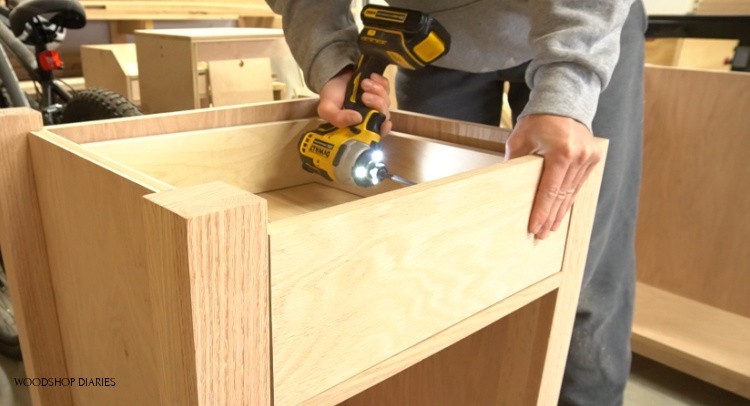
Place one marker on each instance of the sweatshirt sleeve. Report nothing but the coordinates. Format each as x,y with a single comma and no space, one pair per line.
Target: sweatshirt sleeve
576,46
323,39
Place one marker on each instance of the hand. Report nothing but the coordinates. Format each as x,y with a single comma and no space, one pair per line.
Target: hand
375,96
570,154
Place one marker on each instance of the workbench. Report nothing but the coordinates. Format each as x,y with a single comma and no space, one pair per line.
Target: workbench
189,257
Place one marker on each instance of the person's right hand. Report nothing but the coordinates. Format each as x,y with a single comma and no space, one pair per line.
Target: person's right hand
375,96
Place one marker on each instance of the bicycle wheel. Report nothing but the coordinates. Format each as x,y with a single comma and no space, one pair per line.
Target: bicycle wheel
97,104
9,345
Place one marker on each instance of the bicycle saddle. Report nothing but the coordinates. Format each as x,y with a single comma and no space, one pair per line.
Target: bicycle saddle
63,13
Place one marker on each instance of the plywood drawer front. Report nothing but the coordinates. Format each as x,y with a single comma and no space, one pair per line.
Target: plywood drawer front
355,284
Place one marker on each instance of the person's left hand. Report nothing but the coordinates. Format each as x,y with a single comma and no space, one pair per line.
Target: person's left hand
570,153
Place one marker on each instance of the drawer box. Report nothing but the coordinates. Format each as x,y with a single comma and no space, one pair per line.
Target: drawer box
192,259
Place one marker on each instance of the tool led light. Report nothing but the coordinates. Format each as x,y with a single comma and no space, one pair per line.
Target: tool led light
377,155
360,172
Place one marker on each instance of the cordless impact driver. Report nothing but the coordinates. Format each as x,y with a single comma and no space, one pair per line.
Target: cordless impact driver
352,155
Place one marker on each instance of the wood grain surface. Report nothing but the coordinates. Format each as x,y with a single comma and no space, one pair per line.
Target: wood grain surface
366,291
22,240
208,261
191,120
443,341
693,255
256,158
93,227
499,365
695,196
701,340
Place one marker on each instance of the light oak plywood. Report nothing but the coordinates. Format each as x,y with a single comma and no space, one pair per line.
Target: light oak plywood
296,200
113,67
264,157
487,137
692,229
26,259
240,81
692,226
158,124
440,341
706,342
349,296
161,91
256,158
496,372
90,216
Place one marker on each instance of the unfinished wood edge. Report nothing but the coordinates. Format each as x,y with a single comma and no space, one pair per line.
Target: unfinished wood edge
209,251
435,343
199,119
574,261
22,239
466,133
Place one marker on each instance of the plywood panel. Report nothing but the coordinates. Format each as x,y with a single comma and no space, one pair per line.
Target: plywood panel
93,231
487,137
22,239
240,81
264,157
692,226
256,158
111,66
154,124
166,74
500,365
302,199
445,269
438,342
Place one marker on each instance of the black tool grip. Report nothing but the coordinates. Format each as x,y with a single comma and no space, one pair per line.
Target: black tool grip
366,66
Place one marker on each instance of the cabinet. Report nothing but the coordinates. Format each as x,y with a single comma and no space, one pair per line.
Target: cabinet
189,257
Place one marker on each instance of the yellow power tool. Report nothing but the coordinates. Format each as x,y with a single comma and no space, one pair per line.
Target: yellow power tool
407,38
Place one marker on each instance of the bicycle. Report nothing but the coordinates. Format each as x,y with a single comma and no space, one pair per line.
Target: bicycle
31,31
41,25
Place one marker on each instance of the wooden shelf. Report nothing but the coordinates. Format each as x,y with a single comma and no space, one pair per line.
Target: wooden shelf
704,341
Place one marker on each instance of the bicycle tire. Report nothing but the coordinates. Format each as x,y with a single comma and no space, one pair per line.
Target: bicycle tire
9,344
97,104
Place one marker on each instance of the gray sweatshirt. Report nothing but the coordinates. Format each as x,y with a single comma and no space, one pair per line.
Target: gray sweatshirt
573,45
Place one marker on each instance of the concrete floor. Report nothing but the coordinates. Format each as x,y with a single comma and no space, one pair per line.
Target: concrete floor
651,384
